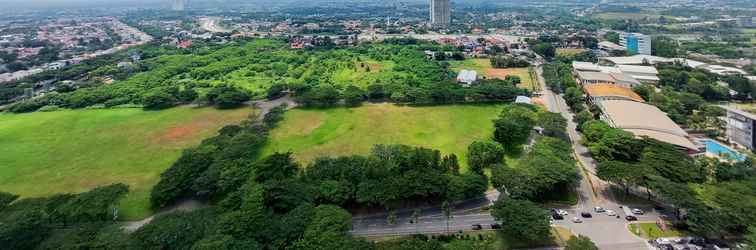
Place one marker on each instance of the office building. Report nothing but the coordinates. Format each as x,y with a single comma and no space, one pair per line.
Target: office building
440,12
740,125
636,43
178,5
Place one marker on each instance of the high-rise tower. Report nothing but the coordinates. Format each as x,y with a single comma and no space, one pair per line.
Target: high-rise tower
440,12
178,5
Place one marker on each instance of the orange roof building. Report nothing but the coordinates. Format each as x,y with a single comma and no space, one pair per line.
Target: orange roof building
602,92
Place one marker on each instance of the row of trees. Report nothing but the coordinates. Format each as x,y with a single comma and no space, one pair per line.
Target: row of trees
545,169
705,189
445,92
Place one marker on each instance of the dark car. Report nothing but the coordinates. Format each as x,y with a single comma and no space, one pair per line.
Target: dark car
496,226
586,215
557,216
631,218
477,227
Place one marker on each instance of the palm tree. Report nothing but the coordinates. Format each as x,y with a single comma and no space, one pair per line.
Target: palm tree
446,208
391,220
416,219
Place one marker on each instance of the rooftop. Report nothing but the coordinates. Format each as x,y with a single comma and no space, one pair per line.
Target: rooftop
645,120
638,60
595,76
585,66
638,69
611,90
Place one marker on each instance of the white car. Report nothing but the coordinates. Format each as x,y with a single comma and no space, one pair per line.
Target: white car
562,212
577,220
611,213
599,209
637,211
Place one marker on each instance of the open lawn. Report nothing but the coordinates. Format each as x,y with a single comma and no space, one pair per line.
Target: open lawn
625,16
569,52
650,230
73,151
484,68
499,240
310,133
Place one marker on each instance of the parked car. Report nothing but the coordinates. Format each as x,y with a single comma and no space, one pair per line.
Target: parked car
577,220
586,215
611,212
562,212
556,216
599,209
637,211
477,227
496,226
631,218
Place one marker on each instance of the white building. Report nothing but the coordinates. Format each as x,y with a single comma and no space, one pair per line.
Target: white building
467,76
636,43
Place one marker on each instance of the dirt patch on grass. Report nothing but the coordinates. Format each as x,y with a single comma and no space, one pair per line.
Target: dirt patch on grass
308,123
186,132
502,73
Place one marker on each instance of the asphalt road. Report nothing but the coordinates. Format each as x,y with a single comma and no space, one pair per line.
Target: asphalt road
607,232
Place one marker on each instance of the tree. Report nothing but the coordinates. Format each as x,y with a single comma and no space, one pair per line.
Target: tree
276,90
482,154
187,95
580,243
178,230
447,210
582,117
545,49
612,37
522,219
391,219
353,96
158,100
323,95
226,97
6,199
622,173
751,237
553,124
513,127
671,163
664,47
416,219
574,98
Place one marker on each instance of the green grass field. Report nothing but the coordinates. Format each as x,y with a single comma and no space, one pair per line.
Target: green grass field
74,151
650,230
347,131
569,52
626,16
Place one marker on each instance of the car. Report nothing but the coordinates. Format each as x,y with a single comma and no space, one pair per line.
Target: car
496,226
610,212
577,220
637,211
556,216
477,227
562,212
599,209
586,215
631,218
